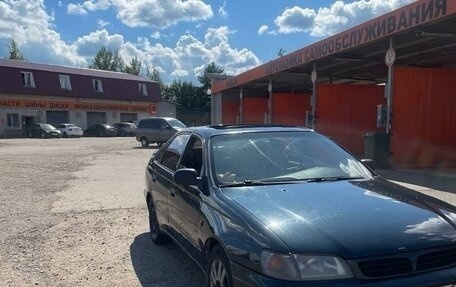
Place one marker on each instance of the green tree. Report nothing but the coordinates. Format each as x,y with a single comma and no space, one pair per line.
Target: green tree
14,52
108,60
134,67
211,68
191,102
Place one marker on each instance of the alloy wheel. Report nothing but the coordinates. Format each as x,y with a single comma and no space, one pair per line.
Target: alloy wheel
218,275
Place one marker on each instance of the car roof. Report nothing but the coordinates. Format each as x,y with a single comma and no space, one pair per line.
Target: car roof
211,130
164,118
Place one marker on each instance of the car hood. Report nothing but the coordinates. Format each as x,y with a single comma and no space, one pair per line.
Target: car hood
352,219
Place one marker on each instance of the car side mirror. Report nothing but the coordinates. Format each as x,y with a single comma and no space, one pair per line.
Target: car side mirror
186,176
370,163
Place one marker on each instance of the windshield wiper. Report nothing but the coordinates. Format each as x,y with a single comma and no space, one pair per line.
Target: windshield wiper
331,178
251,182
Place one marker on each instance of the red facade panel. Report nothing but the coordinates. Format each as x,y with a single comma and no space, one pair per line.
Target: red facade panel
230,111
424,118
347,112
254,110
290,109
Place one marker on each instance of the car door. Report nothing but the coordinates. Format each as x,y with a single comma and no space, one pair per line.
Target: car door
35,130
163,133
162,177
188,221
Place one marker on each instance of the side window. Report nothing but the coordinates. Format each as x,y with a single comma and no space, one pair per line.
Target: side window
163,124
174,151
65,83
27,79
97,87
13,120
142,89
193,156
154,124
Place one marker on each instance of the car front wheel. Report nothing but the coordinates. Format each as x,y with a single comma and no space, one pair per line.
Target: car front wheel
219,272
158,237
144,142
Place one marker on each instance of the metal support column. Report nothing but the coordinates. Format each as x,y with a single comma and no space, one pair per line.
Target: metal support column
389,92
241,106
313,102
269,121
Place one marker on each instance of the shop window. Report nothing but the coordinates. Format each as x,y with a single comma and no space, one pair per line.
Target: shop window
97,87
27,79
142,89
13,120
65,83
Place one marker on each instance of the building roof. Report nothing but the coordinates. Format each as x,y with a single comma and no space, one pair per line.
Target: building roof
423,35
112,85
70,70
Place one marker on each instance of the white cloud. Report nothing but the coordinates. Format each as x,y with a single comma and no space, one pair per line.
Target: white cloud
295,19
263,29
155,35
102,24
92,5
87,46
76,9
222,10
28,23
161,14
329,20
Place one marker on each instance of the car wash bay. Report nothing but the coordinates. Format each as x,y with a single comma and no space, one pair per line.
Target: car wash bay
347,94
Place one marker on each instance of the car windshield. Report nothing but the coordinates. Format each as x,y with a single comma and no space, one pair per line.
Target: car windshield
47,127
176,123
270,157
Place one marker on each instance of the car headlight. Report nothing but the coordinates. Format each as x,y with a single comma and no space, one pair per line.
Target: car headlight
303,267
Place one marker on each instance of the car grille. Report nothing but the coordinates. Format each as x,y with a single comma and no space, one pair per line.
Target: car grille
405,264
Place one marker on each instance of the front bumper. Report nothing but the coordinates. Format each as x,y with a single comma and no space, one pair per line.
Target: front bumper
244,277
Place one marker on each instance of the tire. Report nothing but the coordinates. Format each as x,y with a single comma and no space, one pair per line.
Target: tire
218,269
144,142
157,236
65,135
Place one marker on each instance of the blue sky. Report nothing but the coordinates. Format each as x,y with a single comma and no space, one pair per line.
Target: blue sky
178,37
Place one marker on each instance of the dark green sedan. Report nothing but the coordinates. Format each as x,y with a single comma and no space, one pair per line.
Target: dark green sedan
287,206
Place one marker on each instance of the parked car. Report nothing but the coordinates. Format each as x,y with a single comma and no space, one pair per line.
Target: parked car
100,130
70,130
287,206
43,130
125,129
157,130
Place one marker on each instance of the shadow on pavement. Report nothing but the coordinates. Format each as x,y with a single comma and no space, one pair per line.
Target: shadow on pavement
164,265
148,147
442,182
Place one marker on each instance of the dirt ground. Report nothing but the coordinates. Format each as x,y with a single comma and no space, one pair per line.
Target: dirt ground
73,214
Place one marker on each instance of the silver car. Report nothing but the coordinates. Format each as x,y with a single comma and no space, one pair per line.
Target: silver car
157,130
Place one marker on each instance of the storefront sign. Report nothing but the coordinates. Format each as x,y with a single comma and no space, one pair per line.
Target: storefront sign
57,105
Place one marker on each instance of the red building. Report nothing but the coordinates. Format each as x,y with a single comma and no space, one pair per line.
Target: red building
32,92
391,76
